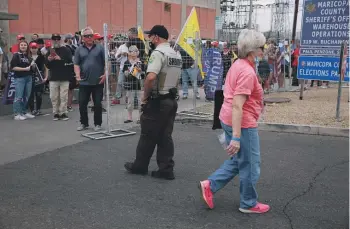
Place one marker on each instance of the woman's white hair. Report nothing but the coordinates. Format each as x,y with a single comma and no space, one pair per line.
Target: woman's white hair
248,41
133,48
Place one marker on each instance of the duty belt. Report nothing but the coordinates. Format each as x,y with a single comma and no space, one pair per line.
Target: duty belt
166,96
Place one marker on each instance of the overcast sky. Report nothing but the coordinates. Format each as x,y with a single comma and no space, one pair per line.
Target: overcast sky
263,16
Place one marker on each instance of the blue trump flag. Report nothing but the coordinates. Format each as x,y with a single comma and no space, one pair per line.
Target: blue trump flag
213,67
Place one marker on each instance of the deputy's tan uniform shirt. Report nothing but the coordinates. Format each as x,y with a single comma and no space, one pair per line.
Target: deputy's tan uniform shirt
165,62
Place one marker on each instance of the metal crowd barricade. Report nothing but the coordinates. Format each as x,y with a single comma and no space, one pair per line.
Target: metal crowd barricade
115,126
191,76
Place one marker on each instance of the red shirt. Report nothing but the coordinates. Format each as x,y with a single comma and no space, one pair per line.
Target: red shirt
296,54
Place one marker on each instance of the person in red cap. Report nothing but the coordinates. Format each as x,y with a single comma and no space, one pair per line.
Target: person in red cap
46,47
38,79
20,38
98,38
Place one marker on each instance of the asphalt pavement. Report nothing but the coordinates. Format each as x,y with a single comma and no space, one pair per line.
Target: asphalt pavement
304,178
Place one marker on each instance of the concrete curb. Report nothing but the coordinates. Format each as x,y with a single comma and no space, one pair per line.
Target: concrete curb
279,127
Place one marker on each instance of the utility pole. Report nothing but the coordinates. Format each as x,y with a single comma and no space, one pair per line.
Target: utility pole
250,15
296,10
295,19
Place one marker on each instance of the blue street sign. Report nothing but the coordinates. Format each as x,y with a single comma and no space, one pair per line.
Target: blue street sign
325,24
320,51
320,68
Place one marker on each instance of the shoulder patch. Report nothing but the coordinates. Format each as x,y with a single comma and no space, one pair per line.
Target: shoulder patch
151,59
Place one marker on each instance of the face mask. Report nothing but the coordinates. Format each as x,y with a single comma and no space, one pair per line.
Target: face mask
257,60
256,63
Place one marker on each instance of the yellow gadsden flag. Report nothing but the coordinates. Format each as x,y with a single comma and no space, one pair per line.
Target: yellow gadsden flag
142,38
186,39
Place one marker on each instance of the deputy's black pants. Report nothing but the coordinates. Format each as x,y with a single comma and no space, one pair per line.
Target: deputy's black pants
157,122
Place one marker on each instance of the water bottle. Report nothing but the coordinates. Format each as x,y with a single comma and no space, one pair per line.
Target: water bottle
222,140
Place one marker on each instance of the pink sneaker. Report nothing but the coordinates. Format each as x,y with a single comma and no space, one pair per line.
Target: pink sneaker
258,209
206,193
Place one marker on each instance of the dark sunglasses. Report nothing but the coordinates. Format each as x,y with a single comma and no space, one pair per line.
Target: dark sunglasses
88,36
56,39
34,47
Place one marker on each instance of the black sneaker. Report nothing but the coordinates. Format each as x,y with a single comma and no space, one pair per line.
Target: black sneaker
56,117
64,117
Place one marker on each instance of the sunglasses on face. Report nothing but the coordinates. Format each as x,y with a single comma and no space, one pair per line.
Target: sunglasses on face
34,47
56,39
88,36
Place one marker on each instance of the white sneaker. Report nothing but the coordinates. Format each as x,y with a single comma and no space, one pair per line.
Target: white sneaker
20,117
28,115
97,128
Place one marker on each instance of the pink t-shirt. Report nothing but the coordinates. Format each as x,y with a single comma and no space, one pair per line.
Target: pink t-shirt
241,79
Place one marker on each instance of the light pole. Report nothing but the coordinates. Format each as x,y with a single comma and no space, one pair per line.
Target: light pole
250,14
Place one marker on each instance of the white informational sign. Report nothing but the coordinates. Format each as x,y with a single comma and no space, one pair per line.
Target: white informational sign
189,40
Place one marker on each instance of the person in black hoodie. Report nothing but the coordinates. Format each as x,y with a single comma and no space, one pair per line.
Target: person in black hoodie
38,79
59,62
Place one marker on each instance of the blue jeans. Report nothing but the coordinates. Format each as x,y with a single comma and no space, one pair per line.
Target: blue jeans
246,163
120,83
23,87
187,75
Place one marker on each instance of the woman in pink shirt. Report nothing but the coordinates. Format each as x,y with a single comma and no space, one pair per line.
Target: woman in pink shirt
243,104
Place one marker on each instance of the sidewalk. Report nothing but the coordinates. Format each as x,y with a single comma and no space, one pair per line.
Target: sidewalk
22,139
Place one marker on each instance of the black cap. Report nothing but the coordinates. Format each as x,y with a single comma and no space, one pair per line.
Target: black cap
56,35
160,31
40,41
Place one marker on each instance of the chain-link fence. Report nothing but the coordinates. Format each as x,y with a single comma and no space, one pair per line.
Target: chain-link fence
126,57
204,68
